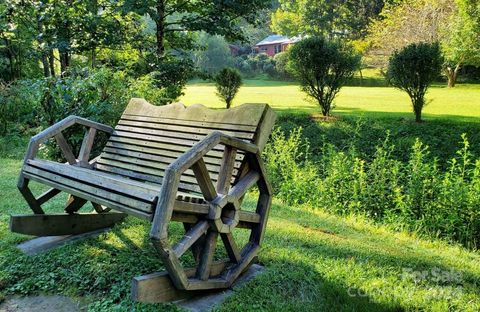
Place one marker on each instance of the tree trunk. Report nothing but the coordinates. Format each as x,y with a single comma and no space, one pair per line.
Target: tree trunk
45,64
418,103
452,74
51,59
11,59
160,25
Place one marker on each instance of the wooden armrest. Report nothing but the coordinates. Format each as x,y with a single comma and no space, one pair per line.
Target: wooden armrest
56,131
200,149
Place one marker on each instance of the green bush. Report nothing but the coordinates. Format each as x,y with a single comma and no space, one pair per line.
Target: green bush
413,69
228,81
281,62
322,68
414,195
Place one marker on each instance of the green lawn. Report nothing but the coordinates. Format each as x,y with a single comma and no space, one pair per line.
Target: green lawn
461,102
313,260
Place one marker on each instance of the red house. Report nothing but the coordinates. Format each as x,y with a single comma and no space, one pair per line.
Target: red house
274,44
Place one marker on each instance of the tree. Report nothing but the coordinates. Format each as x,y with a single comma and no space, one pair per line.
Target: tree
214,55
455,24
175,20
346,18
413,69
461,44
410,21
322,68
228,81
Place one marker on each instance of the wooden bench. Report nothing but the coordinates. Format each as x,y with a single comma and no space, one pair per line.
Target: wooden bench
162,163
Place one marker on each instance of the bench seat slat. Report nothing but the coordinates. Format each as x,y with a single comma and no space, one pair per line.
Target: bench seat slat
138,176
85,190
164,155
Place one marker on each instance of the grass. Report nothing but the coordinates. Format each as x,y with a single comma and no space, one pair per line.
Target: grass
460,102
313,259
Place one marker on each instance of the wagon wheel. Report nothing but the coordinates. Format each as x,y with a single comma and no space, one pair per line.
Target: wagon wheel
223,217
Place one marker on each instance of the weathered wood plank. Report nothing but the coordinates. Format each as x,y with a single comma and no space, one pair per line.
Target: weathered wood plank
47,196
87,146
158,287
81,193
65,148
231,247
63,224
245,183
190,238
226,170
175,128
74,204
204,181
205,265
89,177
28,195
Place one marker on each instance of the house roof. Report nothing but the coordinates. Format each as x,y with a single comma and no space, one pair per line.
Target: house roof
273,39
277,39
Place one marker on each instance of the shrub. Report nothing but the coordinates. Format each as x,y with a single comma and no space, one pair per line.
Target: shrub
281,62
414,195
18,101
228,82
322,67
413,69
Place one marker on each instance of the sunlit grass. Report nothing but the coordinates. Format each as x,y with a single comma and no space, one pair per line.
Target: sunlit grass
312,260
461,102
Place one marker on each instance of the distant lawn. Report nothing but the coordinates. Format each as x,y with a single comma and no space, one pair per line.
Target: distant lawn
314,262
461,102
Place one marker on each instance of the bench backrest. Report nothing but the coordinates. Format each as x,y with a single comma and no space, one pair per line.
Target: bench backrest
148,138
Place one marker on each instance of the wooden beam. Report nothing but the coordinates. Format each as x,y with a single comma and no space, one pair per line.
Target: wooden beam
86,148
226,170
190,238
204,180
74,204
231,247
63,224
28,195
47,196
66,149
205,265
158,287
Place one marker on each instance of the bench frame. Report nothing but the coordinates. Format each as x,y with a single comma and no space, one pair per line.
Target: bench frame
218,215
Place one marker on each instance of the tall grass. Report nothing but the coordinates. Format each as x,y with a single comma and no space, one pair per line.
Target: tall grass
415,195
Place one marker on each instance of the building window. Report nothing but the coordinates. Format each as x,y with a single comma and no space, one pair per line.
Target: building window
278,48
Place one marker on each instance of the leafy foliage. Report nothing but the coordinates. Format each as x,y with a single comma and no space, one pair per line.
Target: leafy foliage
228,81
415,195
413,70
329,18
322,67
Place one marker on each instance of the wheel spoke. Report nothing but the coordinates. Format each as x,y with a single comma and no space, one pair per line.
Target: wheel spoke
190,238
231,247
204,267
244,184
204,181
226,170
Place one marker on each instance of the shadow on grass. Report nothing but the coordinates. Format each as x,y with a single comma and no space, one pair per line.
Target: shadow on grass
364,133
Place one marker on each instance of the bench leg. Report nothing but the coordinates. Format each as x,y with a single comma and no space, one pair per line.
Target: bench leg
74,204
63,224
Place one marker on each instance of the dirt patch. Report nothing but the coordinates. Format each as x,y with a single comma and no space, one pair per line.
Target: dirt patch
319,117
41,304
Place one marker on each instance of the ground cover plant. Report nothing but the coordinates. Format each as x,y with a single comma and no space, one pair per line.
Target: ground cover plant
312,258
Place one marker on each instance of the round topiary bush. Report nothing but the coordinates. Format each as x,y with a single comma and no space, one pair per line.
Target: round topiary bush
413,69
